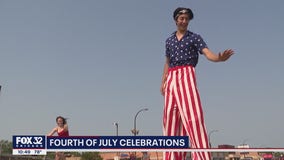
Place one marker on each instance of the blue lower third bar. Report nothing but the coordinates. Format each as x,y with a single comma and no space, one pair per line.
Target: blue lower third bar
117,142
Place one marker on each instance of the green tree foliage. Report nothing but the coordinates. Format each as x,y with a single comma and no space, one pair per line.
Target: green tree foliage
278,154
75,154
91,156
5,147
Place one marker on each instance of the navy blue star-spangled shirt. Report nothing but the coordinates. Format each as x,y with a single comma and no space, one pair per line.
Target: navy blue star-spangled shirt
185,51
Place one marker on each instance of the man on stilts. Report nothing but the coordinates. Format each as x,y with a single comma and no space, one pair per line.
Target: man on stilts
183,114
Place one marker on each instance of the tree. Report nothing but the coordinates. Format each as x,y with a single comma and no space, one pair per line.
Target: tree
278,154
5,147
91,156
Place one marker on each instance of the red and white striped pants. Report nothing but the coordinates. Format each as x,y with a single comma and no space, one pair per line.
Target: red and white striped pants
183,115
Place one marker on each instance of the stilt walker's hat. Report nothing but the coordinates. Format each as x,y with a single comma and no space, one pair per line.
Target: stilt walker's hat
180,10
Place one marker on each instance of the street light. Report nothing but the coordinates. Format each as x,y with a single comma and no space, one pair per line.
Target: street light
135,131
116,125
210,135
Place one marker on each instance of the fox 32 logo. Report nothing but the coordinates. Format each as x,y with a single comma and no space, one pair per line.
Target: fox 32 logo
28,142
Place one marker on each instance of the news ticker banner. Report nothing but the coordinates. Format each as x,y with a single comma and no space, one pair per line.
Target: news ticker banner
40,145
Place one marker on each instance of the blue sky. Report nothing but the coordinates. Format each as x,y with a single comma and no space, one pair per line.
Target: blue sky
99,62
